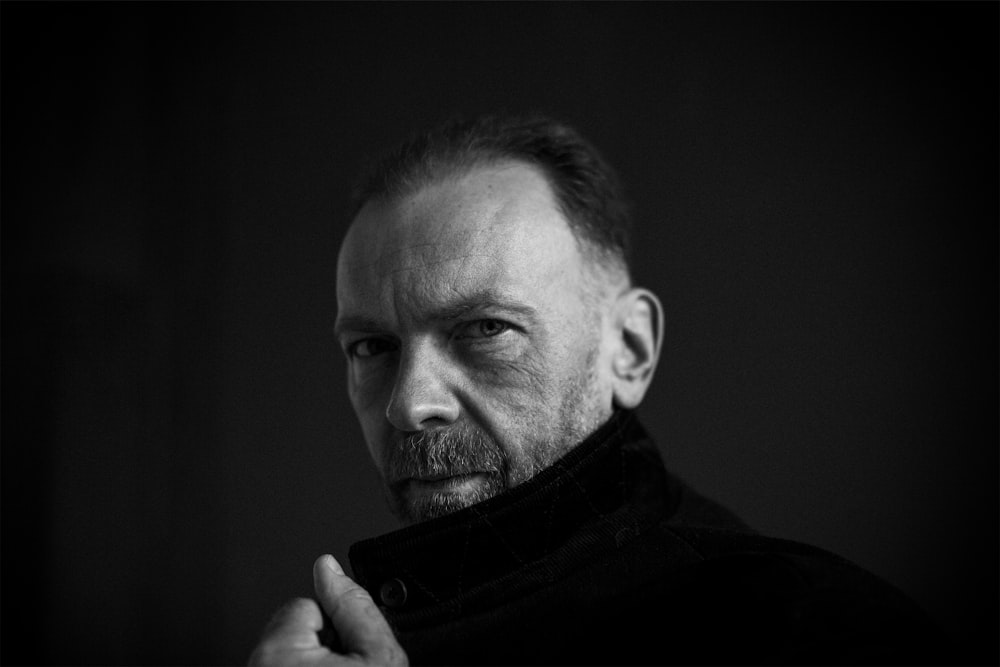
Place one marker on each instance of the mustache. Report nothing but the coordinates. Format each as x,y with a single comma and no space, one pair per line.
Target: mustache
457,450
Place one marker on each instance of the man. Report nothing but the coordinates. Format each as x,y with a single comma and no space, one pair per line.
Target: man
497,350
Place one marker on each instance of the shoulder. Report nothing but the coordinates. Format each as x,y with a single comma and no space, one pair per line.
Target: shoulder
784,601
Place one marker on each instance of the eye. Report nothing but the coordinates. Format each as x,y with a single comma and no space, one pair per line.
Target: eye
369,347
483,329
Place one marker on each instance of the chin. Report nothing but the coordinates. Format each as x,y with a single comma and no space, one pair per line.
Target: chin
417,508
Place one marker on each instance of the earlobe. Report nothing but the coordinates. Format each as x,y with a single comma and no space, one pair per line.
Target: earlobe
639,331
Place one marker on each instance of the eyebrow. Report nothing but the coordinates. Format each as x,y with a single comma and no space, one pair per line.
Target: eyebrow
360,324
487,300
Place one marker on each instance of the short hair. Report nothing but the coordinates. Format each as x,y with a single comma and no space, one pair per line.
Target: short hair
585,186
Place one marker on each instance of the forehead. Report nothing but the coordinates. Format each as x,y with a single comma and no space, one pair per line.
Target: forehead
495,228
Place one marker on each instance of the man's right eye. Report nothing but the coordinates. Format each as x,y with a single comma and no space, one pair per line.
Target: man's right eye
369,347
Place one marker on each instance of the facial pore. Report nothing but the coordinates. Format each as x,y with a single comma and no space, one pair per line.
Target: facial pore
466,449
454,412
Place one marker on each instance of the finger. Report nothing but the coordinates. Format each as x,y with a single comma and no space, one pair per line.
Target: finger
299,618
360,625
292,631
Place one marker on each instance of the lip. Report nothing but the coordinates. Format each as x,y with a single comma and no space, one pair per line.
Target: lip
442,481
439,478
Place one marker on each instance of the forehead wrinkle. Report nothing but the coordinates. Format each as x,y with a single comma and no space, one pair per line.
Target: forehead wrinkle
422,234
431,264
460,243
444,270
445,295
434,211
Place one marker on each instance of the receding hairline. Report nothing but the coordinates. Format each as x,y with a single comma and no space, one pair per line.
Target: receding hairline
453,168
602,263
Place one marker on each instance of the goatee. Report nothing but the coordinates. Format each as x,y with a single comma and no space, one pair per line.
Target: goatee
445,452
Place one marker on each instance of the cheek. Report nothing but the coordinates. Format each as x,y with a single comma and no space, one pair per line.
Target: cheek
542,382
369,395
369,384
513,390
372,441
518,367
371,417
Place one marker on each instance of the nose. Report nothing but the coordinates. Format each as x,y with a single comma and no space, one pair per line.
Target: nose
421,397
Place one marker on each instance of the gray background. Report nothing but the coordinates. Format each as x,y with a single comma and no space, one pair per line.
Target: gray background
816,197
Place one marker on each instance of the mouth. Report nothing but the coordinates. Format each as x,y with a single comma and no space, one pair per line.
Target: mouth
438,478
443,483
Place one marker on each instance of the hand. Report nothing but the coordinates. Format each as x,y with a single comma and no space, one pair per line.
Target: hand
292,638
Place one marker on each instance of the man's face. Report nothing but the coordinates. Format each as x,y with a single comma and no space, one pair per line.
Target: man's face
475,358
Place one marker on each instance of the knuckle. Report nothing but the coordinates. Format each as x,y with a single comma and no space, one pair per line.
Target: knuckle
356,594
289,615
266,653
298,604
359,594
285,611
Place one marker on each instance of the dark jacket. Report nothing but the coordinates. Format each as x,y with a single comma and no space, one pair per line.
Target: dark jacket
607,558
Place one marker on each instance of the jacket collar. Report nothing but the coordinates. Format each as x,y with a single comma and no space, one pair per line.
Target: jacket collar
583,495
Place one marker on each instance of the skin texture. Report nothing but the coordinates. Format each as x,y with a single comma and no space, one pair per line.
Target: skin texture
292,637
463,310
483,343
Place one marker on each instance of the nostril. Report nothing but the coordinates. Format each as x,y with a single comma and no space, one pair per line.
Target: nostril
419,412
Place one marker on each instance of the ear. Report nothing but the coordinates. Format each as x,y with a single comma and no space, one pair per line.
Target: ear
639,335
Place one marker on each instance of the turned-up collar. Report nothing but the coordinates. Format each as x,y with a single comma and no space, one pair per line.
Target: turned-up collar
445,560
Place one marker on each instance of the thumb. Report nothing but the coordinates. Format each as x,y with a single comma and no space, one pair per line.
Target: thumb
360,625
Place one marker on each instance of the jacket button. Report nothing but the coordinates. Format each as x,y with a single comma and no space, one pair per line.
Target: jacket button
393,593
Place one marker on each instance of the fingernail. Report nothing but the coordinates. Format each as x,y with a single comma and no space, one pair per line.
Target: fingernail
332,563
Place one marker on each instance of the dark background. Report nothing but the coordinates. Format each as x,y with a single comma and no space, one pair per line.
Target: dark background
816,199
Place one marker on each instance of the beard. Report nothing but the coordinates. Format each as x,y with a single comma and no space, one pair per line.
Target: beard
466,449
458,450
